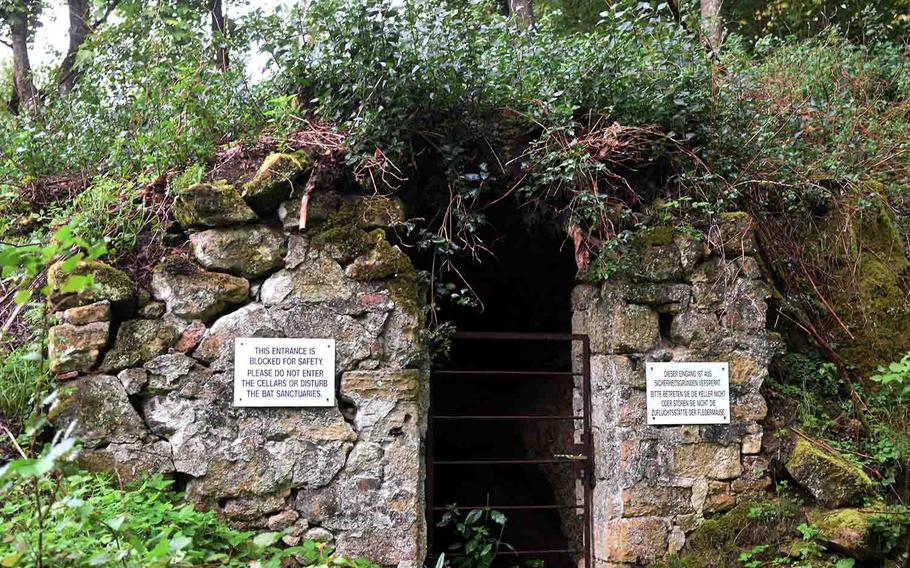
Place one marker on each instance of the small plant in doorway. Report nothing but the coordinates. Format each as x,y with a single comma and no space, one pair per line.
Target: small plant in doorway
479,541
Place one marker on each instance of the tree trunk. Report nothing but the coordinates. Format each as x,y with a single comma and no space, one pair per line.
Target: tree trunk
219,33
79,30
711,22
22,67
522,12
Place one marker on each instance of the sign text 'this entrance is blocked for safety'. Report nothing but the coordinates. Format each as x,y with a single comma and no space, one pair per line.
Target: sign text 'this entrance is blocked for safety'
688,393
272,371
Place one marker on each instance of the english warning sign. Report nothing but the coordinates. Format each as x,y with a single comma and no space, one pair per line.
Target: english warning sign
688,393
271,371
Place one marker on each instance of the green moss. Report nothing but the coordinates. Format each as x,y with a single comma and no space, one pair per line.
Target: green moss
274,181
830,478
408,291
371,255
382,261
861,252
108,283
719,541
346,242
211,205
655,236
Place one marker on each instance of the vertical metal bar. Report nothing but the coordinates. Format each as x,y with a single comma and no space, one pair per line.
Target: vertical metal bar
431,474
589,444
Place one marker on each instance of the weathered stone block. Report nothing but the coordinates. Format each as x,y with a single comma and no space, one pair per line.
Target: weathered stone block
252,320
671,298
713,461
248,251
131,461
404,384
274,181
719,498
138,341
749,407
91,313
318,280
101,410
623,328
847,531
643,500
733,234
660,263
193,293
744,306
133,380
694,328
382,261
152,310
254,507
830,478
635,541
211,205
745,369
76,347
108,283
190,337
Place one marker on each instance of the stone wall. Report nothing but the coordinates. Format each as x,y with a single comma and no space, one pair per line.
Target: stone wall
151,371
687,300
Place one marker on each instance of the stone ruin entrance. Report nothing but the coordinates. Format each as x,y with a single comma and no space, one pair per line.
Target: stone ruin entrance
502,427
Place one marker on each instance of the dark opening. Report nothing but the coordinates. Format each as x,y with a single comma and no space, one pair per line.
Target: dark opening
526,287
665,323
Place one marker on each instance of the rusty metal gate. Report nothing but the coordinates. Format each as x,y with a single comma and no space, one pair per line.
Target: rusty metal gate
574,452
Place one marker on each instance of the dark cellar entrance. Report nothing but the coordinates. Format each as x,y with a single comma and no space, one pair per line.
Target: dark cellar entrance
489,394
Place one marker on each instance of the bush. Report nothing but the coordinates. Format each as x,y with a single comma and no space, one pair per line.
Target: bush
94,523
21,385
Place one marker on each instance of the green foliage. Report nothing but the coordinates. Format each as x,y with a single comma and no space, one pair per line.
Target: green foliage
804,18
91,522
21,377
149,98
891,526
478,543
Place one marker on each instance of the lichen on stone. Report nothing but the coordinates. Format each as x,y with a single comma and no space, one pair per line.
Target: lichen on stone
212,204
831,479
108,283
274,181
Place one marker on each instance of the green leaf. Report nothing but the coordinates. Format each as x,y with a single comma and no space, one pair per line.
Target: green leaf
266,539
179,542
115,523
75,284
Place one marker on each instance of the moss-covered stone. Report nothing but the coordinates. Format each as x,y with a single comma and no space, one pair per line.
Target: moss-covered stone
380,262
108,283
274,181
720,540
213,204
346,242
249,251
192,293
847,531
732,235
371,212
139,341
101,410
862,254
76,347
831,479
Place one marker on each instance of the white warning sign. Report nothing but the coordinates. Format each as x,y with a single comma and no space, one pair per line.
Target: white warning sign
273,371
688,393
